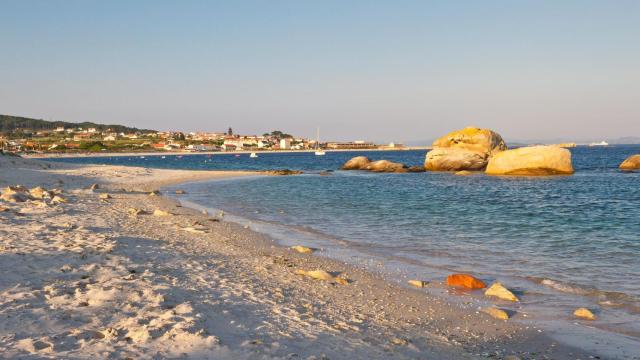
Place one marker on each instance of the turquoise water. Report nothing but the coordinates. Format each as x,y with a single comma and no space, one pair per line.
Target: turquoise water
560,241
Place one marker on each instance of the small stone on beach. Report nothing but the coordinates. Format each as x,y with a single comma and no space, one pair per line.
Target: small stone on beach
417,283
501,292
158,212
496,313
302,249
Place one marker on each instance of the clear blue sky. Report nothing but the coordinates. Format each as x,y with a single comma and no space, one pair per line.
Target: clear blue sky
392,70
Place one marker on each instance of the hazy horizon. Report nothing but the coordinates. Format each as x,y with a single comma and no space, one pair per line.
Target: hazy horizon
407,71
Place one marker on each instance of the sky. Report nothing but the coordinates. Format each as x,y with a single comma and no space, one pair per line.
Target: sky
360,70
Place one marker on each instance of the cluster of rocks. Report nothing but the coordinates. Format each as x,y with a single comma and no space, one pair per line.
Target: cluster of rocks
497,290
19,193
472,150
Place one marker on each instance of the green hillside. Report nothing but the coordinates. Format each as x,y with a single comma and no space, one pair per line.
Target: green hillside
9,124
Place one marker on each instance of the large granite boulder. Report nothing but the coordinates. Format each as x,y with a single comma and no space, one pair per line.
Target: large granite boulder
386,166
466,149
356,163
631,163
531,161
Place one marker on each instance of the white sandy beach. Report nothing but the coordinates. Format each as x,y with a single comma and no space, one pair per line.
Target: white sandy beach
87,279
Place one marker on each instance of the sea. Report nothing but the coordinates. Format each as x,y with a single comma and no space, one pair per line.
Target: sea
559,242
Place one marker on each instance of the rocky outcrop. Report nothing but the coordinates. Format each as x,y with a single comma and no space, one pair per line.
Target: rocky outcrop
386,166
284,172
465,281
531,161
631,163
356,163
363,163
466,149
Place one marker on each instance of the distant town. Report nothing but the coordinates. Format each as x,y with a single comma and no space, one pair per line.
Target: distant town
24,135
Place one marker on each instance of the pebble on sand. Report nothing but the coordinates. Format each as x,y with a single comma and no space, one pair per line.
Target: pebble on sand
500,292
418,283
136,212
496,313
158,212
105,196
302,249
584,313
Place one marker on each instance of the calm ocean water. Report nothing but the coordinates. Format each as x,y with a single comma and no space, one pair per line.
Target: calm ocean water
562,241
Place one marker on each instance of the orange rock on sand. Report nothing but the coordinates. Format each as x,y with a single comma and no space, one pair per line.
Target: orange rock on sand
466,281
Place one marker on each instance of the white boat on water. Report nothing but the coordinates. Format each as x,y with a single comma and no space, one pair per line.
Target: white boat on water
253,155
319,152
601,143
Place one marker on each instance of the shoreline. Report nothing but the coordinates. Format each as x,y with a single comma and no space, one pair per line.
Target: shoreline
369,317
183,153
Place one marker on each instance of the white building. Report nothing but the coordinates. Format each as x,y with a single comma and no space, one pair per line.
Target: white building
285,144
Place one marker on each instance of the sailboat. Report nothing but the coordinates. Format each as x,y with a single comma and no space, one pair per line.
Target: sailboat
319,152
253,155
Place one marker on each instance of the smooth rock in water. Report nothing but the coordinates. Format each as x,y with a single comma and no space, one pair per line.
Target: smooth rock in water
154,193
158,212
105,196
466,281
356,163
94,187
386,166
466,149
584,313
531,161
631,163
464,173
180,192
302,249
417,283
501,292
315,274
496,313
